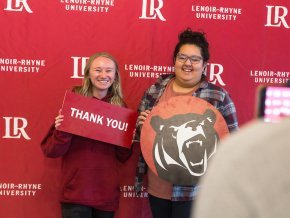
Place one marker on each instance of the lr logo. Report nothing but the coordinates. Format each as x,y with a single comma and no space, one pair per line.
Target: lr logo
276,16
153,11
78,72
18,6
215,72
15,127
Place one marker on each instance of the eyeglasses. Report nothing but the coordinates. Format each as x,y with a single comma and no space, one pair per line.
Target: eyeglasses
193,59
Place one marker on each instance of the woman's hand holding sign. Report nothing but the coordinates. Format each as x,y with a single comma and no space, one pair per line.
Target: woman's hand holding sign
58,119
142,117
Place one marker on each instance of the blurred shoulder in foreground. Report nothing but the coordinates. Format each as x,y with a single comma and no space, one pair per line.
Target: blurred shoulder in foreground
249,176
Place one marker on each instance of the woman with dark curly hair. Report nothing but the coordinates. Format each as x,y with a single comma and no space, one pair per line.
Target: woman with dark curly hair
190,58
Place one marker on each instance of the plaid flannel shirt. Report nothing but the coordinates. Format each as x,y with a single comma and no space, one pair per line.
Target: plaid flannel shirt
213,94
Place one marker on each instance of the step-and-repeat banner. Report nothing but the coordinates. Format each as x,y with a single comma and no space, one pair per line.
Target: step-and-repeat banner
44,46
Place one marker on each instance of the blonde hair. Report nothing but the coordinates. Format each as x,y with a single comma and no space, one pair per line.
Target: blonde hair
115,89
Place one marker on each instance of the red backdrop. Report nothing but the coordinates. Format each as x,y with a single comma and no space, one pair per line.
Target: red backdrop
45,44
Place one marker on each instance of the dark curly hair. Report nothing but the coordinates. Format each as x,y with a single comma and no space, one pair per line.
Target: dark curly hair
194,38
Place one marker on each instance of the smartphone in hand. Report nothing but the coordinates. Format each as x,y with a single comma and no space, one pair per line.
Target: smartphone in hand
273,103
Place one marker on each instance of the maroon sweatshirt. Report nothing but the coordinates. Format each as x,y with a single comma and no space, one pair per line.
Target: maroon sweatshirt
89,169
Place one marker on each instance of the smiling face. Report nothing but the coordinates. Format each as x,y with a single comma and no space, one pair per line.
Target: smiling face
102,74
189,73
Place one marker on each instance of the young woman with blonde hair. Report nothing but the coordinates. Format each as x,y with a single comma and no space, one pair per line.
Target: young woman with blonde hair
89,183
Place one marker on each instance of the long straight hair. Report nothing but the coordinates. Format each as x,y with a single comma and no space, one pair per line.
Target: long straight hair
114,90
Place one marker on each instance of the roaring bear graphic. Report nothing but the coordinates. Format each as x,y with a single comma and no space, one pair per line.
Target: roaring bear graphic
183,145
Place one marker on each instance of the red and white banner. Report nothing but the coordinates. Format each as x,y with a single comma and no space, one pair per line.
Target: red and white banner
45,46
